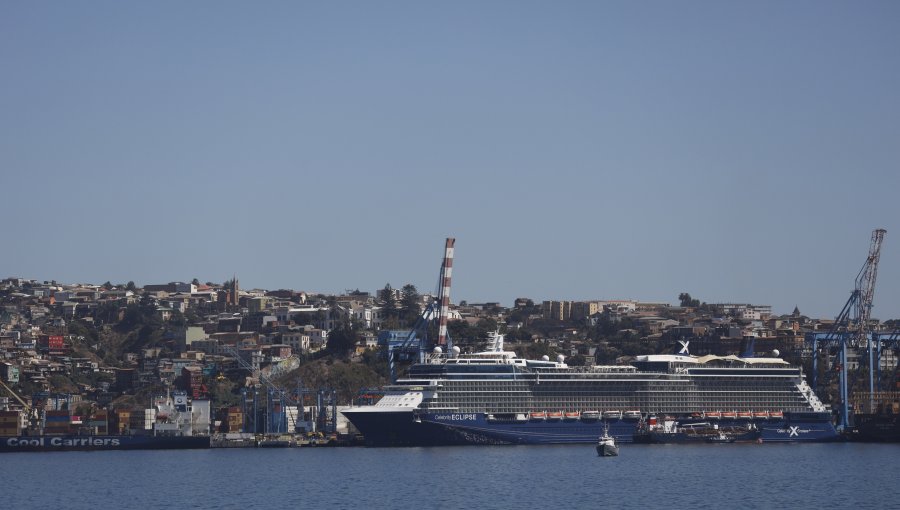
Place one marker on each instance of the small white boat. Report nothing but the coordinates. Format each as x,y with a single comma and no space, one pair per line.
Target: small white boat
612,415
606,445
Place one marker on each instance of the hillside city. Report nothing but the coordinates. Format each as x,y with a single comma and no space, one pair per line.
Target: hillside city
114,346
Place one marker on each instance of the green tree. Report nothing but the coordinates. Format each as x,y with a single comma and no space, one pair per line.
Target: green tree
686,301
389,306
538,349
409,304
519,335
130,286
224,393
606,355
342,340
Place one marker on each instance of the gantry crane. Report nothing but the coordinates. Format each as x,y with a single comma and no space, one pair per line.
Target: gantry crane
851,327
279,421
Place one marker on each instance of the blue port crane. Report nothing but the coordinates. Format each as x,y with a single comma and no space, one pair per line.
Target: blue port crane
278,420
851,328
417,341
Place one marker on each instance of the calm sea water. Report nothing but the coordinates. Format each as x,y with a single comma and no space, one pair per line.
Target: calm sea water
512,477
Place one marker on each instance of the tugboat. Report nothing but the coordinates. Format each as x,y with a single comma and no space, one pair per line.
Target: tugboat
606,445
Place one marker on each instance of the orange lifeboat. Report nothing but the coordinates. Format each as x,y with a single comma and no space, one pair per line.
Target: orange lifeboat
572,415
538,415
554,415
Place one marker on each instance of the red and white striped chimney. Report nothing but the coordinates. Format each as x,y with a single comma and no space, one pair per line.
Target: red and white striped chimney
446,273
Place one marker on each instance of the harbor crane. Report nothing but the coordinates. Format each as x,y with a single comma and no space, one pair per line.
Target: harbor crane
439,309
277,398
851,327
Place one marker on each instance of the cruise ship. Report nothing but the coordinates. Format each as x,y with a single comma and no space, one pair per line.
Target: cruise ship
495,397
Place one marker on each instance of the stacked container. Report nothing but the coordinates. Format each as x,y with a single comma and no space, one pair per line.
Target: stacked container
99,423
235,422
122,422
57,423
9,423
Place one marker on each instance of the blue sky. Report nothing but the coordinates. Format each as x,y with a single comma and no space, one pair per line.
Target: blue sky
741,152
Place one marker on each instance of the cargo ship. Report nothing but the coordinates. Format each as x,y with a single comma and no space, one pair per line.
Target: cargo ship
876,428
495,397
83,443
172,423
880,426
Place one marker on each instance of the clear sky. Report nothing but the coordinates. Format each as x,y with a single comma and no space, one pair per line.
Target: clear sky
738,151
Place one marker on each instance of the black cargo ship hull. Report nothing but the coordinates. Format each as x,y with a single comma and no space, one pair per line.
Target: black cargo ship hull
877,428
100,443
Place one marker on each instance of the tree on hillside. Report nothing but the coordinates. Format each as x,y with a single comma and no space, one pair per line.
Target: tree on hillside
687,301
409,304
342,340
389,306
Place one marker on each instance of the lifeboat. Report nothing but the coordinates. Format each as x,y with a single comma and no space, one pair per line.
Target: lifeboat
571,415
713,415
776,415
590,415
632,415
538,415
612,415
554,415
745,415
729,415
760,415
